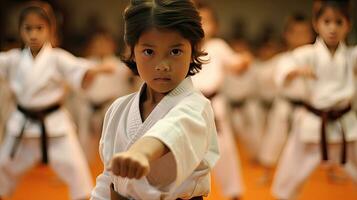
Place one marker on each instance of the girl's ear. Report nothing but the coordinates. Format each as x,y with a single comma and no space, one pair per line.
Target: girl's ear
314,25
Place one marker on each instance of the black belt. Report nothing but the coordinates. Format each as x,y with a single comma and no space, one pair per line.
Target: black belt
329,115
39,117
116,196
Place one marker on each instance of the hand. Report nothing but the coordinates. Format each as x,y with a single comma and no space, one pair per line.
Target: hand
307,72
106,68
304,71
130,164
95,71
245,60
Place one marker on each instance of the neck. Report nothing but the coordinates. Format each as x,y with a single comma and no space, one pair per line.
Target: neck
35,52
152,97
332,49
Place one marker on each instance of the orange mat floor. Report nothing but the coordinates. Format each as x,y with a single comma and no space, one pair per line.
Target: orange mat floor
40,183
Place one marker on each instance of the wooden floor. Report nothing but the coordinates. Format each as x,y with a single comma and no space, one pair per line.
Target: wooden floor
41,183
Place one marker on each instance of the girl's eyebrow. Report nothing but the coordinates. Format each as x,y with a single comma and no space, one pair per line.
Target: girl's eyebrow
147,45
152,45
177,45
34,25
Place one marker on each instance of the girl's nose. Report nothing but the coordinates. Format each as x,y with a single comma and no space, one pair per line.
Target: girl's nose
333,27
163,66
33,36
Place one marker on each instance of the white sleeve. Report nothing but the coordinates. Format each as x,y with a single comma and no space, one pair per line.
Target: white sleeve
287,63
354,58
189,132
5,62
101,190
228,55
72,68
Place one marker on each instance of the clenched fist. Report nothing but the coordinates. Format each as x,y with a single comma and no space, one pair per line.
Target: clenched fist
130,164
304,71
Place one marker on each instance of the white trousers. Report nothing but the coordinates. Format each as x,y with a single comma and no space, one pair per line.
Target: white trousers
227,171
248,122
65,158
278,123
300,159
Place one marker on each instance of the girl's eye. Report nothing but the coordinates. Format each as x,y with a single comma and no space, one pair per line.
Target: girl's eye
27,28
148,52
176,52
339,22
326,21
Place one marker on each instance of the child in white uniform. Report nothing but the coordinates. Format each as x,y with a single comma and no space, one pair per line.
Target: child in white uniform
6,105
258,106
221,58
159,143
40,128
298,31
324,128
90,106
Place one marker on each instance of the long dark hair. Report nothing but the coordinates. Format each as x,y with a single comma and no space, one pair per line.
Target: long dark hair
177,15
43,10
342,6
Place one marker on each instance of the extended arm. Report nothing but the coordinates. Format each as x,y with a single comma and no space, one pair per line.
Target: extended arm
134,163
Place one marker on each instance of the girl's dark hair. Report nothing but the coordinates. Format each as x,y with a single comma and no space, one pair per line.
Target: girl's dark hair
342,6
45,11
295,18
177,15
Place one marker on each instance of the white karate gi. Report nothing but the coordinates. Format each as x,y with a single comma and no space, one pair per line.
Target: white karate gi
210,80
355,97
38,83
333,88
239,89
278,118
184,121
102,92
260,106
6,105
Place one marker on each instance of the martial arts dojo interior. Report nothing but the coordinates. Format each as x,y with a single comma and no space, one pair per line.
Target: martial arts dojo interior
247,25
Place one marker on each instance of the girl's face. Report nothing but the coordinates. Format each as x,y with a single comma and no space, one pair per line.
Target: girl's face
298,34
34,31
163,58
332,26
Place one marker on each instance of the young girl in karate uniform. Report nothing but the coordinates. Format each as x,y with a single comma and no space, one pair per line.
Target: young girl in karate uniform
324,127
89,107
40,128
159,143
297,32
221,60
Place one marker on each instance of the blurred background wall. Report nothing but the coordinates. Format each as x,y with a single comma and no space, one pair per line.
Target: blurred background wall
250,18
